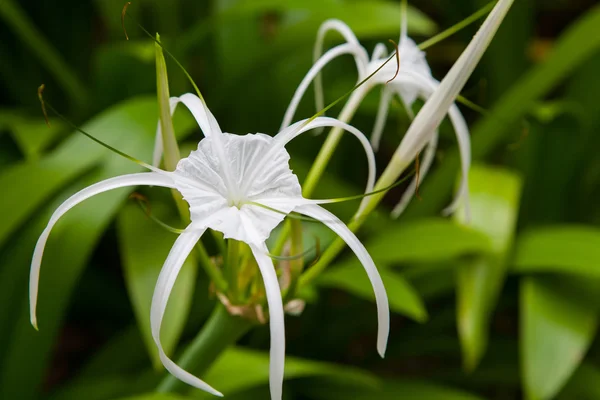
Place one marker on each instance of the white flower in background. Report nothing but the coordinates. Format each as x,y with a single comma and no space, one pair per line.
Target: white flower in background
413,81
233,184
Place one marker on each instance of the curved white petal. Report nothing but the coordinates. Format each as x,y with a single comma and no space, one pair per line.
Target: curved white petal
361,59
205,119
430,116
164,285
428,158
379,52
464,148
276,320
288,134
413,142
336,225
312,74
145,178
380,119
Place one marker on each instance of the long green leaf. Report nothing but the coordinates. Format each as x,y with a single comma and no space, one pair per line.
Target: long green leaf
563,249
32,135
556,331
403,298
240,369
494,196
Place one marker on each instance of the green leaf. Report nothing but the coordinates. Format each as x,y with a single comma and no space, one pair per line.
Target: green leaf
494,196
563,249
391,390
403,298
31,134
144,247
426,240
33,182
368,19
575,46
556,330
240,369
583,385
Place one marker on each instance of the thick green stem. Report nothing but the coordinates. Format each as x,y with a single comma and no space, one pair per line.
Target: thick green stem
232,269
218,333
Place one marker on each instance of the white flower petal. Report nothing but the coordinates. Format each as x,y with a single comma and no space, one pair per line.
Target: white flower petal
428,158
276,320
260,170
361,58
313,73
145,178
164,285
288,134
336,225
432,113
381,118
205,119
379,52
464,148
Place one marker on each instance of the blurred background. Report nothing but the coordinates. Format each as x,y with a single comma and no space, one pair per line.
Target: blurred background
505,309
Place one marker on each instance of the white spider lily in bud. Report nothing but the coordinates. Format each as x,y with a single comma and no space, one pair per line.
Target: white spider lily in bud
411,80
242,186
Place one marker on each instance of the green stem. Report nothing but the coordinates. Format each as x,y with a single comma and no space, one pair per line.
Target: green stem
218,333
232,267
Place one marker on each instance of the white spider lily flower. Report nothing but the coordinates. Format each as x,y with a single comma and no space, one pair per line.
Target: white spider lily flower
242,186
412,81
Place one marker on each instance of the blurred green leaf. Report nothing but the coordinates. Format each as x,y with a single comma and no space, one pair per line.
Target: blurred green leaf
33,182
240,369
556,331
32,135
583,385
431,239
575,46
563,249
144,247
367,18
18,21
494,196
391,390
403,298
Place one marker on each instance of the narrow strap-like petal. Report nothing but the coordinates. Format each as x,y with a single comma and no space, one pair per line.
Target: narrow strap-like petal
276,323
380,119
379,52
205,119
432,113
145,178
336,225
164,286
288,134
361,58
313,73
428,158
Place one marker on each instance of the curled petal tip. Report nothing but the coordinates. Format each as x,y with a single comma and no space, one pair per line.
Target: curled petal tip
35,324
